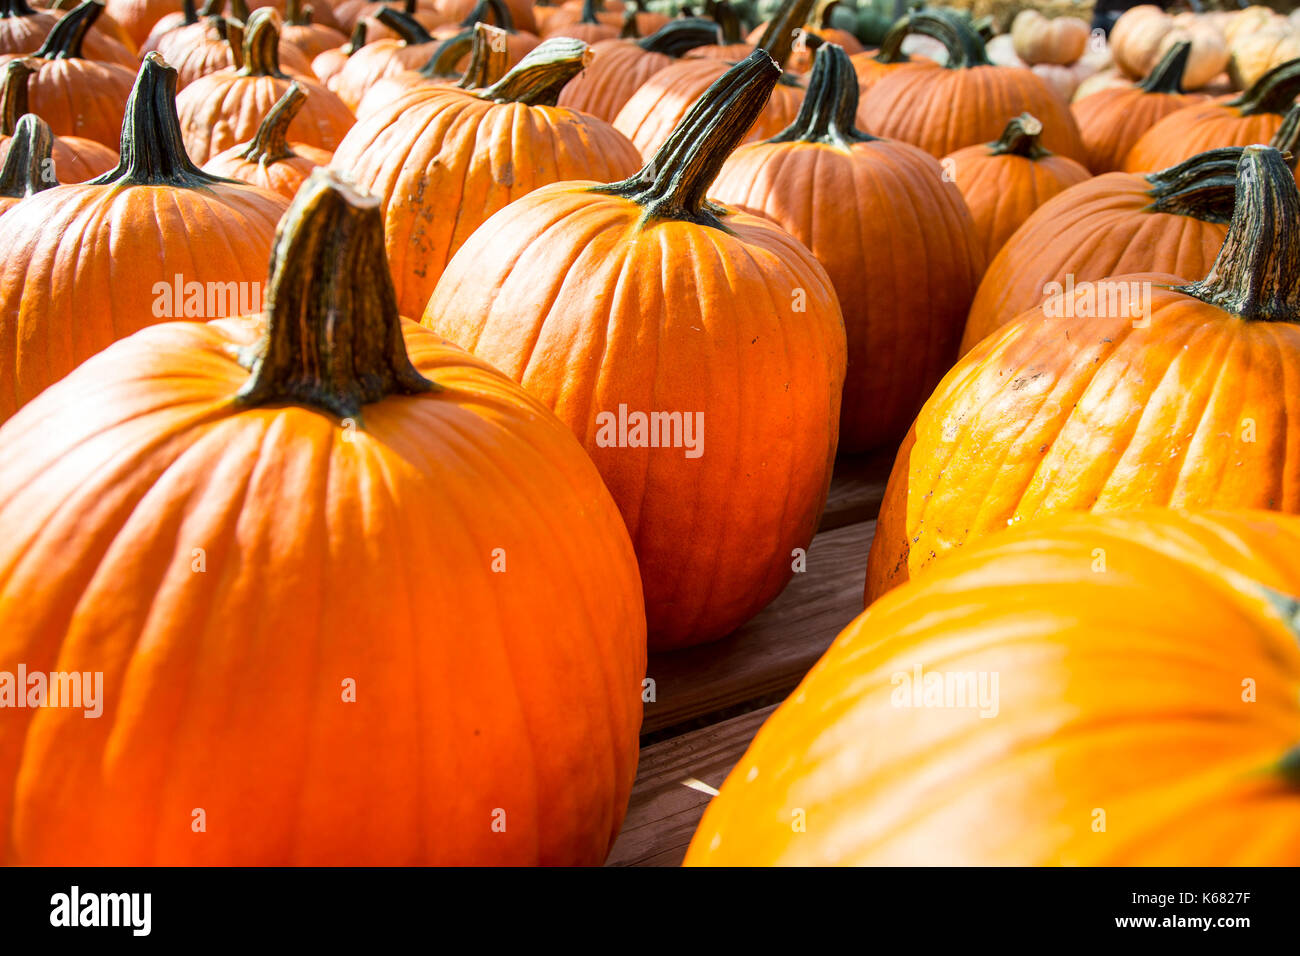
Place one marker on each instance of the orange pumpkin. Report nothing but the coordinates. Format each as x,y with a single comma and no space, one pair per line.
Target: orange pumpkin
659,106
579,292
189,15
328,65
521,13
338,473
75,159
311,38
1252,117
1038,39
488,61
28,163
968,101
153,218
226,107
23,30
1070,694
214,44
902,335
1125,392
269,160
1172,221
1005,181
435,158
589,26
138,17
733,45
410,49
620,67
1145,34
873,66
1112,120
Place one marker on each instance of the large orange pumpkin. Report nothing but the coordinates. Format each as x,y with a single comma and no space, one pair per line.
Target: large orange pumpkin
871,66
28,166
1172,221
226,107
1252,117
371,533
489,59
137,228
328,65
1110,690
138,17
1005,181
75,159
217,42
968,101
902,334
442,160
409,49
310,37
697,352
23,29
1129,391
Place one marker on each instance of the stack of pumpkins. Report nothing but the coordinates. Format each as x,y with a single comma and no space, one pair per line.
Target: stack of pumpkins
381,381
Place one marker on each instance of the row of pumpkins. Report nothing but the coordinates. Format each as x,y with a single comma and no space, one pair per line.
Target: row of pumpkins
365,589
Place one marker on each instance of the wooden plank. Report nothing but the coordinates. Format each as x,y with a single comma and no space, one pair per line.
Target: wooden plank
772,652
857,488
664,811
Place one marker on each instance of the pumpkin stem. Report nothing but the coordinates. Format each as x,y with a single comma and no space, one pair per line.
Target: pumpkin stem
13,94
489,57
891,45
588,14
239,10
262,44
1287,138
152,150
14,8
408,29
680,36
271,144
333,338
28,166
538,78
189,13
1167,75
964,46
498,10
357,40
294,14
1020,138
1257,273
725,16
830,106
629,29
232,31
673,184
212,8
442,62
778,39
1274,92
1201,187
64,40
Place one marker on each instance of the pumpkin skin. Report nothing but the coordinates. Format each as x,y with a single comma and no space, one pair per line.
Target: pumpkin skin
574,292
137,17
489,60
310,37
268,160
966,103
197,49
902,335
410,49
1256,54
161,449
1004,182
871,66
60,304
328,65
224,108
23,29
1112,120
1171,222
26,167
1037,39
1105,698
1064,410
75,159
434,158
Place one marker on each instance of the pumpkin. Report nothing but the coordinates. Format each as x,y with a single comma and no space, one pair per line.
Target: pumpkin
189,15
269,160
75,159
410,49
322,14
226,107
612,304
1111,121
153,218
23,30
733,45
1003,182
328,65
817,31
1144,34
588,27
1255,54
74,95
967,102
28,164
902,335
300,31
434,157
1037,39
1071,694
873,66
521,13
619,67
137,17
1172,221
216,43
1253,117
1117,393
659,106
489,57
371,472
519,43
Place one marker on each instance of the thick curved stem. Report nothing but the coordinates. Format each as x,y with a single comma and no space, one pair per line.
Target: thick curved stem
680,37
13,94
964,46
725,16
1020,138
261,44
1287,138
1201,187
830,106
538,78
29,165
408,29
441,65
357,40
1167,75
891,46
333,337
778,39
1274,92
64,41
271,143
489,57
496,9
15,8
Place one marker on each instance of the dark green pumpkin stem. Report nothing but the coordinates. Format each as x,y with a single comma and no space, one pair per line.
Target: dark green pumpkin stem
232,31
261,44
680,36
891,46
629,28
239,10
1167,75
778,38
725,16
1201,187
212,8
442,62
14,8
674,183
588,13
357,40
295,14
408,29
29,165
1287,138
271,142
333,338
964,46
1020,138
1274,92
489,57
494,8
1257,273
152,150
64,40
538,78
13,94
830,106
189,13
